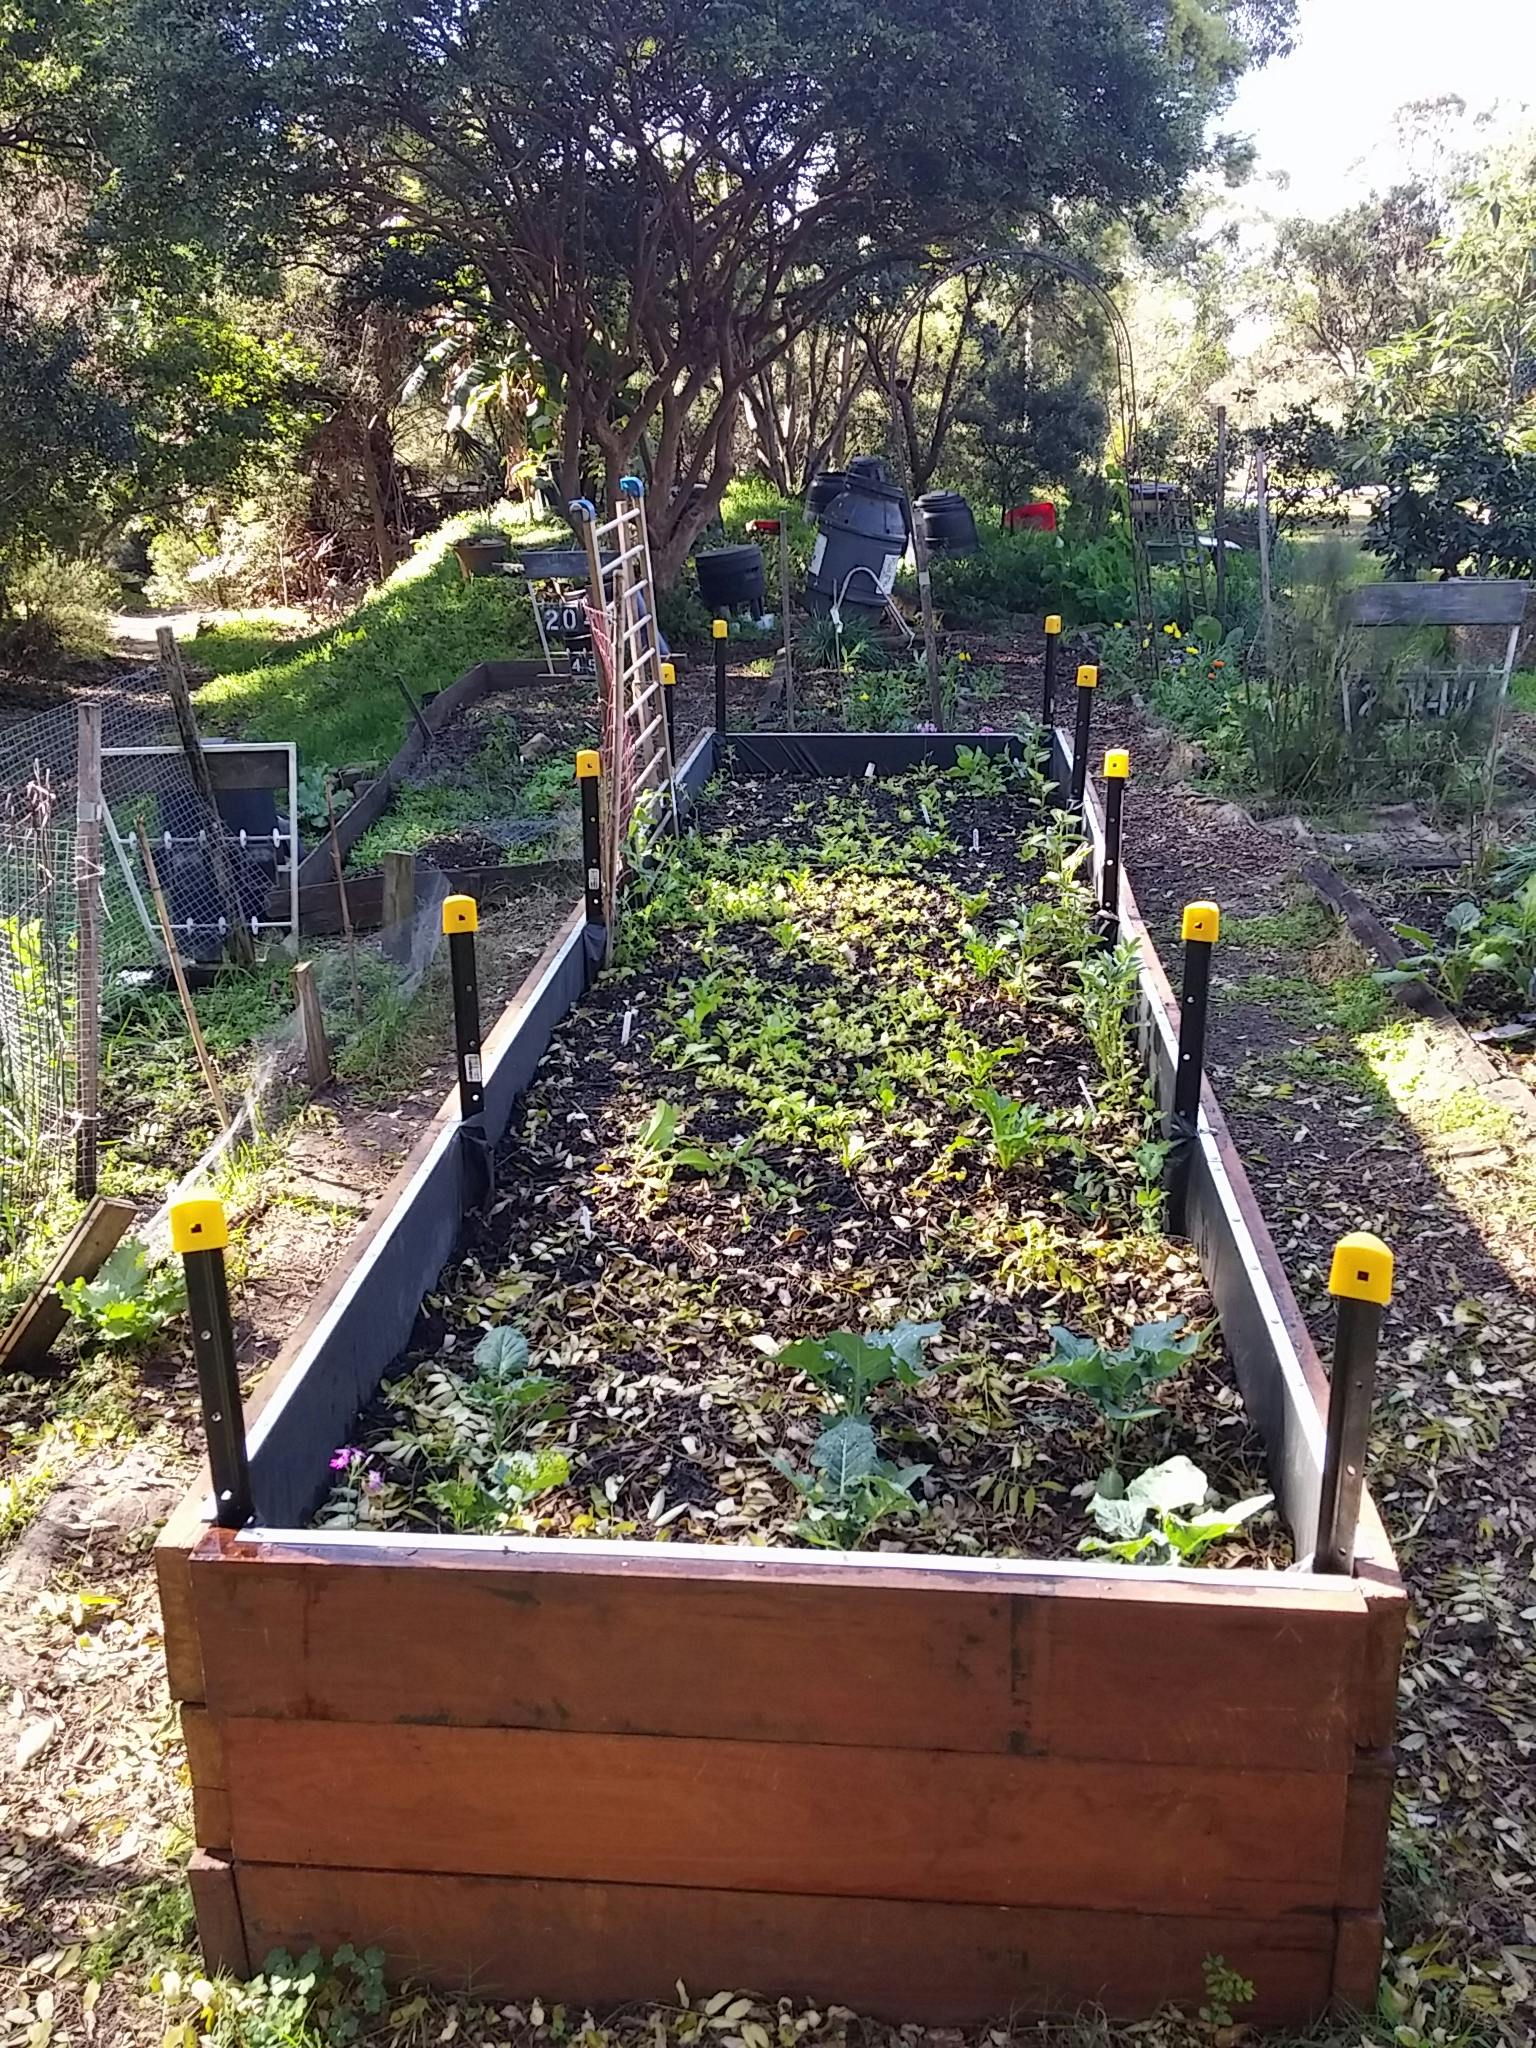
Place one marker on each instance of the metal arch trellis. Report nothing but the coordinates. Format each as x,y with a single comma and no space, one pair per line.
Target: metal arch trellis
1125,380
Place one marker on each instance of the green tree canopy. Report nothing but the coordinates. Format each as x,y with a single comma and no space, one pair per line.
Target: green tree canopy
659,196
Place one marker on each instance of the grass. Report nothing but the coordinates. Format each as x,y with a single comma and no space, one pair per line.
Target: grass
1522,689
337,692
494,788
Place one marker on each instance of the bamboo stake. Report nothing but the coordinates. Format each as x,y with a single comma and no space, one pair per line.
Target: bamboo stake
341,897
88,805
173,954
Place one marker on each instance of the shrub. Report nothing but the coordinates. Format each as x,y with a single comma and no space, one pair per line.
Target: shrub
63,603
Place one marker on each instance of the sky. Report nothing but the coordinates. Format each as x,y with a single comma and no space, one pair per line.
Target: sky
1324,116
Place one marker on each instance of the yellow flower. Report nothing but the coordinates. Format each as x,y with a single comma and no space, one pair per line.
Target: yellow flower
1170,629
1146,643
1119,625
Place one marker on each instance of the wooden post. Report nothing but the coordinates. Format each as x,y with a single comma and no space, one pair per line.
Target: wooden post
398,916
930,630
339,870
789,633
173,954
317,1051
87,948
197,763
1220,522
1266,593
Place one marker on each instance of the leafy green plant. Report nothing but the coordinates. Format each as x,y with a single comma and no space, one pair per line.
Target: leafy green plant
1022,1132
662,1142
1147,1523
1106,990
851,1488
1498,938
850,1364
130,1301
1225,1988
1118,1382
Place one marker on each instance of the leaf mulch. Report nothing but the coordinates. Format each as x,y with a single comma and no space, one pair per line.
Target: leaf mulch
798,993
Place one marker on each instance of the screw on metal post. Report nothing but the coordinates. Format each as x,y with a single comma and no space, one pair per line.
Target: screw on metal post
1200,930
1087,683
1117,769
199,1233
669,687
1360,1282
719,629
589,779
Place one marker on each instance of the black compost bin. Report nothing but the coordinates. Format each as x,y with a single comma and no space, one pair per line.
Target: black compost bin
859,548
731,579
948,523
823,487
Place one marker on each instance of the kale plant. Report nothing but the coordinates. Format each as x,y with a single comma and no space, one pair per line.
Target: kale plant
1118,1382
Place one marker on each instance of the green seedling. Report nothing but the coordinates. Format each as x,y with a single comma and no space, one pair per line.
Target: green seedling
1022,1132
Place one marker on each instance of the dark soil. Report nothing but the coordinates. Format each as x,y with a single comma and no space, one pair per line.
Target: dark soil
824,921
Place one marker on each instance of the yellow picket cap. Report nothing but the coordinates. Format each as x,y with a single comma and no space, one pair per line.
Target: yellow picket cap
198,1225
1361,1269
669,671
1053,622
1201,921
719,628
461,914
1117,765
1087,677
589,763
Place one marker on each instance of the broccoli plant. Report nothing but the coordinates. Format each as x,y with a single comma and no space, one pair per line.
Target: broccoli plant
1118,1382
851,1488
1149,1522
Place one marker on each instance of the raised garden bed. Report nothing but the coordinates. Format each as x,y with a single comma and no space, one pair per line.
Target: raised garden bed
938,1782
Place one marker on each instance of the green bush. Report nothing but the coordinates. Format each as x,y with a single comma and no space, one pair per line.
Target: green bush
1018,573
64,603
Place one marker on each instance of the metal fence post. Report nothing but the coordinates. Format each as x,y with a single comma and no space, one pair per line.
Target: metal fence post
1360,1282
1048,686
668,694
719,628
589,779
199,1234
461,920
1117,769
1087,683
1200,930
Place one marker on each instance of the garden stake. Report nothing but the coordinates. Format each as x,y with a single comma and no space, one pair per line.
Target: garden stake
1048,688
1200,931
1087,683
719,628
668,686
1117,769
1360,1281
461,920
199,1233
589,779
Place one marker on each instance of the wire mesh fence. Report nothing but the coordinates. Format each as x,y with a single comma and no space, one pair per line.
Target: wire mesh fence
40,888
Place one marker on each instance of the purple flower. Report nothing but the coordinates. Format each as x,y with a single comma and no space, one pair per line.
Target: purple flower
925,727
374,1482
345,1458
986,728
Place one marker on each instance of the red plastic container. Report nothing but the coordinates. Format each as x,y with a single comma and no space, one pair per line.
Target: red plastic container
1039,516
